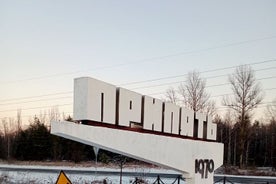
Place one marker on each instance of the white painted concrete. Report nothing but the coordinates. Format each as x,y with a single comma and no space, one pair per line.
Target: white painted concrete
130,104
171,118
211,129
88,96
175,153
99,101
187,122
152,114
201,118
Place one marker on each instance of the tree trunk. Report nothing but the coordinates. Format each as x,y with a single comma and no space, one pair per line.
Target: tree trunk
235,150
267,147
242,144
229,147
247,153
273,151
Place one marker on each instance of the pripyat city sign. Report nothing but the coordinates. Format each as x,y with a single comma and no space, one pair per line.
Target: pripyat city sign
108,104
144,128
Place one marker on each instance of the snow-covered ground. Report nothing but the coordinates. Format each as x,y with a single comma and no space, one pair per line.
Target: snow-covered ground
46,174
49,174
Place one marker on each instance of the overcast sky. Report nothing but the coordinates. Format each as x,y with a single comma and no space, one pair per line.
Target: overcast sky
44,45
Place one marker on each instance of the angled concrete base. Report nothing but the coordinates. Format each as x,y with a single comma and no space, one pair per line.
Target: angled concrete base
175,153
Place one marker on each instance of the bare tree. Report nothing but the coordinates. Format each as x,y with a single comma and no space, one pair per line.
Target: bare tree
229,121
271,117
171,95
194,95
6,130
271,111
5,126
54,114
247,96
42,117
18,121
210,108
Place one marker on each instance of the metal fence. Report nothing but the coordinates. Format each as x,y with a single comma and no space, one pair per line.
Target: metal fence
220,179
159,181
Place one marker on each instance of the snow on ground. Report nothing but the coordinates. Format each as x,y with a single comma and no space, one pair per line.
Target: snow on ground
52,172
23,173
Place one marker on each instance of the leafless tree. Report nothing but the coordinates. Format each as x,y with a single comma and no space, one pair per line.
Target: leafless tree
19,121
247,96
271,117
210,108
43,117
171,95
54,114
271,111
5,126
194,95
229,123
6,130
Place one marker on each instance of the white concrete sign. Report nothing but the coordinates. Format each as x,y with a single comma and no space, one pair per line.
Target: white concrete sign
98,101
144,128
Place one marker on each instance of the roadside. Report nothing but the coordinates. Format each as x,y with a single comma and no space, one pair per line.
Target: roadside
250,171
231,170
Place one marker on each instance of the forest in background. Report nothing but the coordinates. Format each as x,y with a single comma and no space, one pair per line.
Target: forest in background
247,143
35,143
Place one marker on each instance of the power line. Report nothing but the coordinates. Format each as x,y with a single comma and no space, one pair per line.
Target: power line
150,86
67,97
148,94
39,107
176,82
262,103
29,97
34,115
272,103
223,84
163,92
147,60
260,106
216,85
206,71
47,99
169,83
228,94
